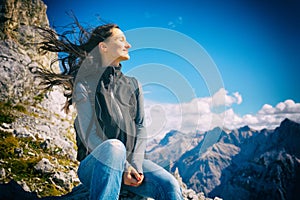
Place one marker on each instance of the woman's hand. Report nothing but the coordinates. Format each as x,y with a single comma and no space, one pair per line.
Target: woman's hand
132,177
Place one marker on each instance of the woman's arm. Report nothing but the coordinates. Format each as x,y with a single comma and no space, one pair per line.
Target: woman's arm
86,118
141,133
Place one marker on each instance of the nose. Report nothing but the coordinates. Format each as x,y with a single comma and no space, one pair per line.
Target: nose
128,45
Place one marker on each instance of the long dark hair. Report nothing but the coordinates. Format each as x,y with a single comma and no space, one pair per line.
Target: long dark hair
71,55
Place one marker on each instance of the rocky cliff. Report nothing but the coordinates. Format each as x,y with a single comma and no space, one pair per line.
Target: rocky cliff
37,139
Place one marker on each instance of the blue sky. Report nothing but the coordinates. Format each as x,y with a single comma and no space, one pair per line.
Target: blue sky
254,44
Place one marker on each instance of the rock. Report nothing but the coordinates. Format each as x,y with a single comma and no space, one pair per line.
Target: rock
188,194
45,144
65,180
19,152
18,13
45,128
44,166
23,133
217,198
78,193
24,186
2,173
30,153
60,179
5,126
41,123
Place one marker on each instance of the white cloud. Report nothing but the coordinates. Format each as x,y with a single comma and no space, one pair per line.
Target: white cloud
266,110
199,114
286,107
238,97
221,98
289,106
270,117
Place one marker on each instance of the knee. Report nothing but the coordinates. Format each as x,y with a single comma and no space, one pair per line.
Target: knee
172,188
110,147
114,146
173,184
111,153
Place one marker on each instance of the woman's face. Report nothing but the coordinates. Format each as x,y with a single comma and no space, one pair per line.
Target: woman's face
115,48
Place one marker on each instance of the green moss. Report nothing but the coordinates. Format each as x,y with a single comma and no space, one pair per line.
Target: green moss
39,98
9,112
51,190
33,145
7,145
22,168
57,150
19,108
6,115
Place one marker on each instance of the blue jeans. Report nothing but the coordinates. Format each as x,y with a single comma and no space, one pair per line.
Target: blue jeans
101,172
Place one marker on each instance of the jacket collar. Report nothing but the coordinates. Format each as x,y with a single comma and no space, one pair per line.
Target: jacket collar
111,72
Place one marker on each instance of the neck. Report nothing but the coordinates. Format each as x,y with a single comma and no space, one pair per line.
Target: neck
106,62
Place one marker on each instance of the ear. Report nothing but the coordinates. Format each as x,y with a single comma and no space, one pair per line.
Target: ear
102,47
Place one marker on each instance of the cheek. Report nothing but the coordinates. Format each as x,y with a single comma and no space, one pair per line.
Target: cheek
117,48
121,50
114,51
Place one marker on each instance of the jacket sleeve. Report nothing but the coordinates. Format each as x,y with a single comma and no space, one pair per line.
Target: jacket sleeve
84,114
141,133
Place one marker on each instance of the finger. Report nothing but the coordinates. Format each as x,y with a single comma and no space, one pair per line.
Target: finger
136,177
141,179
131,182
135,174
142,176
135,184
131,179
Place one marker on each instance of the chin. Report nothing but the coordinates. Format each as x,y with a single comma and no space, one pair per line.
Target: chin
125,58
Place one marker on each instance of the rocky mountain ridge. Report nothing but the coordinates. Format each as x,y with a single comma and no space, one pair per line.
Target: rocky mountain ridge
243,163
171,147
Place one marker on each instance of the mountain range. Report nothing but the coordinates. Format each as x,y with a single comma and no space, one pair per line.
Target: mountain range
242,164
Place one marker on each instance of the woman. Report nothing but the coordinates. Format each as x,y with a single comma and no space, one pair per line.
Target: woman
110,115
